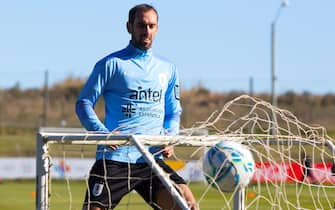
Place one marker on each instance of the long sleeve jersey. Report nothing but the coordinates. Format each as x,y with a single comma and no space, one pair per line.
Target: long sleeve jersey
141,95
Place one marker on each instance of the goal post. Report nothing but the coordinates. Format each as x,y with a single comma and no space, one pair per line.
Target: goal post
45,137
293,164
42,173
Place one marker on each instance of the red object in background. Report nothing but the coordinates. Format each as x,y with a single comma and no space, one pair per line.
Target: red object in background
292,172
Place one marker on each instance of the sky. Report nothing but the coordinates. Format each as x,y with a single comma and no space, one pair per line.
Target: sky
219,44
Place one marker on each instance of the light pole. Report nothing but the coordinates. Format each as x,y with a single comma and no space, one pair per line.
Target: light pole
274,130
273,52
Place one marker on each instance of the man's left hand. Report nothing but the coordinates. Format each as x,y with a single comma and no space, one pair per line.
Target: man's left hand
167,151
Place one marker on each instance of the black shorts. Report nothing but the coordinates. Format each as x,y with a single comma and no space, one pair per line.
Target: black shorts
110,180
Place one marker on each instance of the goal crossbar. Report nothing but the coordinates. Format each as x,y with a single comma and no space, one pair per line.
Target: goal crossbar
180,140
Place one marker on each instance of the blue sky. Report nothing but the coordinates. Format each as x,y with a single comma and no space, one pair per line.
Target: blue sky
219,44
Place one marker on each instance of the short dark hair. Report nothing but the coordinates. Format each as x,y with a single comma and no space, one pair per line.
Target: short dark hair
142,8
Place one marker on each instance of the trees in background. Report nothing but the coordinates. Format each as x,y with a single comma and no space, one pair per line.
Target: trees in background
23,108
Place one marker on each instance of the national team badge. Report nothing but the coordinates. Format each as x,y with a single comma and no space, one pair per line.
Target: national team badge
162,79
97,189
176,92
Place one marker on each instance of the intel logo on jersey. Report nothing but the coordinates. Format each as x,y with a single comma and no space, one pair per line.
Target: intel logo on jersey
146,95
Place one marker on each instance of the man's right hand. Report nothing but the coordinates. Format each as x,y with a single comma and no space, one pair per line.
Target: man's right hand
114,146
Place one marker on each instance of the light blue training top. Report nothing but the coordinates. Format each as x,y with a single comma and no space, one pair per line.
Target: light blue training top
141,95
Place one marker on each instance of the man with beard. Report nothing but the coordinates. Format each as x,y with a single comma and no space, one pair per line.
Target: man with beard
141,94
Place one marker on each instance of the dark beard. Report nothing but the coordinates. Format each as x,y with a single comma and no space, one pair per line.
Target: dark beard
141,45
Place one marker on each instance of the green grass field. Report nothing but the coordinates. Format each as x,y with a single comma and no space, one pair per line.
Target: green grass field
20,194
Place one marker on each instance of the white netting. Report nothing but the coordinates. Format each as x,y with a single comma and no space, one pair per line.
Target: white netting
293,159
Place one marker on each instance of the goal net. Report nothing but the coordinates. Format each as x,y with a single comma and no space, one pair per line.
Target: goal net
294,161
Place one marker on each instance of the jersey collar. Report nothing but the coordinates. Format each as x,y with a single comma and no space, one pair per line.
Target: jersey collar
139,52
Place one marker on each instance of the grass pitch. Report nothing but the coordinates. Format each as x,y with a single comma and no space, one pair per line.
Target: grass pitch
20,194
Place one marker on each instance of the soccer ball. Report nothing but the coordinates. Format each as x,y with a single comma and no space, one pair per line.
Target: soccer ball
228,165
